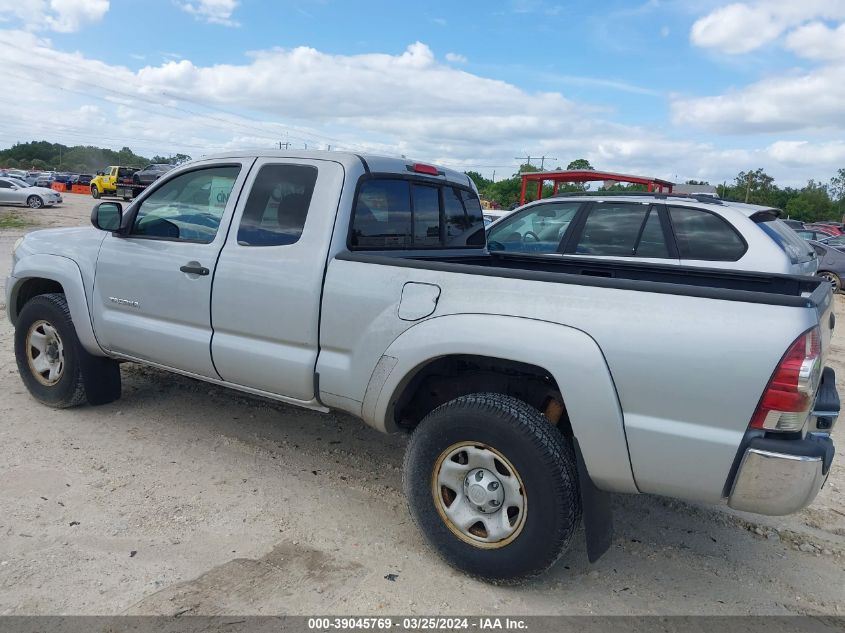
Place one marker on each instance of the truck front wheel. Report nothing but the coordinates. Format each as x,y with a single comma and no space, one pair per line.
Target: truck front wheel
493,486
95,193
52,363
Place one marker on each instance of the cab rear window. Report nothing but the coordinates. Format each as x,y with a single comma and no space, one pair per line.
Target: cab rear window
392,213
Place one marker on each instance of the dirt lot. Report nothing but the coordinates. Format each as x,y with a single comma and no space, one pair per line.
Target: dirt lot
187,498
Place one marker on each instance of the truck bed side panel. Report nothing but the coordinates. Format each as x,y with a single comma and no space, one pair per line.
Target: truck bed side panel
688,370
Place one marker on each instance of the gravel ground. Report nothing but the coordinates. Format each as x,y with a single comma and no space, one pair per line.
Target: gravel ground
187,498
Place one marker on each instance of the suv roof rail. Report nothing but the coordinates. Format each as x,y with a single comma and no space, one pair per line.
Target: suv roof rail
651,194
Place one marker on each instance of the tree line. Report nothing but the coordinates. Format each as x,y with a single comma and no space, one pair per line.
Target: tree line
813,202
79,159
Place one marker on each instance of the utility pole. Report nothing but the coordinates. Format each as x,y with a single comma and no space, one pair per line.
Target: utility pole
748,188
494,176
527,159
543,161
284,145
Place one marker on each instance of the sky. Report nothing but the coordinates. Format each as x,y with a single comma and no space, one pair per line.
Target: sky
677,89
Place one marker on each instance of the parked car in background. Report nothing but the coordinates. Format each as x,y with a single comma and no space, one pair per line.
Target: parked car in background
656,228
151,173
793,224
491,215
32,177
813,234
45,179
824,228
81,179
14,173
836,241
831,264
18,192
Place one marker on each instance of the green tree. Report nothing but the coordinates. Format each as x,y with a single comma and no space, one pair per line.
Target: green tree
580,163
811,204
480,181
837,186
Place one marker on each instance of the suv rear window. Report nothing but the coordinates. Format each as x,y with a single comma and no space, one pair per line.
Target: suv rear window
393,213
705,236
788,240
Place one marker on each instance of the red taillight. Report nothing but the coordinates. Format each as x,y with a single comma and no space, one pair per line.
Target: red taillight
788,398
420,168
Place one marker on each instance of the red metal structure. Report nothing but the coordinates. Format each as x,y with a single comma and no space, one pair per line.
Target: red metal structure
588,175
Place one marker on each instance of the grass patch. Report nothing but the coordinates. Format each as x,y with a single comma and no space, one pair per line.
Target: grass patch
12,221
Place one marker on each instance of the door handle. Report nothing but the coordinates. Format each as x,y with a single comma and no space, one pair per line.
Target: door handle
194,270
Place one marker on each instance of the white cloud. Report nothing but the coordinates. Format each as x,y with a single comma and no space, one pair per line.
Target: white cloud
456,58
406,103
212,11
64,16
800,100
818,41
804,153
790,102
745,26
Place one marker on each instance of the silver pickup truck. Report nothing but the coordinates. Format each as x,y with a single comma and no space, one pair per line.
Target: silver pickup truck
532,387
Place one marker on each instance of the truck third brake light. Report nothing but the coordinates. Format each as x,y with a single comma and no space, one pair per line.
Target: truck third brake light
788,398
421,168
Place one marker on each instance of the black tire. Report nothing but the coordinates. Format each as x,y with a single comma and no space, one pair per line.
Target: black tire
83,377
833,278
95,193
545,466
34,202
69,391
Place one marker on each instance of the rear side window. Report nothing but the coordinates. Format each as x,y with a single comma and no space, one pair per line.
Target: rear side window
788,240
394,213
703,235
612,229
277,206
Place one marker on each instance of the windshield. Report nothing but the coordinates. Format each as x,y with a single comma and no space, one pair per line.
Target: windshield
536,229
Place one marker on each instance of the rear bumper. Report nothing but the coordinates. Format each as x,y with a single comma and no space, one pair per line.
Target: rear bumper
778,477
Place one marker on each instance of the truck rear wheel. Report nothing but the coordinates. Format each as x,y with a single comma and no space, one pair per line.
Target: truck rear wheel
493,486
52,363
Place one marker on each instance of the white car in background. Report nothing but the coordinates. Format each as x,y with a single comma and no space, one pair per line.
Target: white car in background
19,192
656,228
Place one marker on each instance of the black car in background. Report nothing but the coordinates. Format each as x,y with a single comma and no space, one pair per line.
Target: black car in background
150,173
81,179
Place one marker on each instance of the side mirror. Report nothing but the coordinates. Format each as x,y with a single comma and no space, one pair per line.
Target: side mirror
107,216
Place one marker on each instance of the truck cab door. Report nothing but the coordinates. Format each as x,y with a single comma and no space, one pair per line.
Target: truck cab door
152,287
268,283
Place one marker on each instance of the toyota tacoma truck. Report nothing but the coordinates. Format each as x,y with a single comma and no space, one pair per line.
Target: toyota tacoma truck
532,387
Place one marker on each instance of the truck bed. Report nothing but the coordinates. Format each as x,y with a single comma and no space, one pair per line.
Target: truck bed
726,285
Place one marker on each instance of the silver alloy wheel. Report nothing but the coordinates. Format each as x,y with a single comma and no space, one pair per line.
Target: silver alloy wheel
830,279
45,353
35,202
479,495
